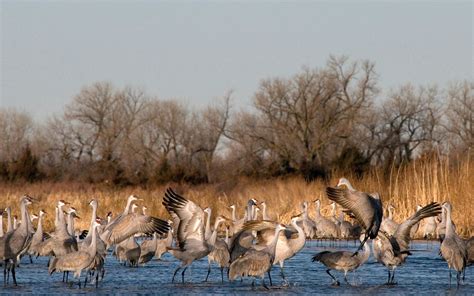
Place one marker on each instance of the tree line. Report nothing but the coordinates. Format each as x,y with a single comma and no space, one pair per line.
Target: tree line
321,119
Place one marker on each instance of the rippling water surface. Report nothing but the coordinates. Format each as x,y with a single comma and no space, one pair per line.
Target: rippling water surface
423,273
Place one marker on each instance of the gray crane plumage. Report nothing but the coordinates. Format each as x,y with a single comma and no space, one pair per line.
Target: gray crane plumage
453,248
392,251
76,261
128,224
342,261
256,263
220,255
325,227
388,224
148,249
15,241
367,208
190,237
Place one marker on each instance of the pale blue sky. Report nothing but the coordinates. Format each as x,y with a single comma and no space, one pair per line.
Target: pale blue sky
198,51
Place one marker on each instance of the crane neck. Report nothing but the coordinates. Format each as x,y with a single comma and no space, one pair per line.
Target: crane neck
1,226
272,247
390,213
93,245
213,238
300,230
70,224
207,231
93,219
9,220
264,211
169,238
39,229
127,207
449,223
318,209
226,239
234,218
24,217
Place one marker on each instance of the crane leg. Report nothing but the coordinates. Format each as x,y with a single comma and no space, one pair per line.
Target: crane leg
388,280
31,259
208,271
182,274
174,274
5,273
450,277
14,275
270,277
222,274
282,273
335,282
265,285
458,278
345,278
392,280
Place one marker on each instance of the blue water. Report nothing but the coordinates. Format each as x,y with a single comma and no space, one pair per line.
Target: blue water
423,273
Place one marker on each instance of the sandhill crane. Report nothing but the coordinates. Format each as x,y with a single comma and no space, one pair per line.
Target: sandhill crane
453,248
324,227
76,261
15,241
388,224
220,254
255,214
429,228
9,219
163,244
367,208
238,223
343,261
345,227
15,222
71,215
38,236
289,242
470,251
128,224
60,242
148,249
1,223
308,225
85,243
128,250
208,230
414,229
333,217
256,263
392,251
189,218
264,211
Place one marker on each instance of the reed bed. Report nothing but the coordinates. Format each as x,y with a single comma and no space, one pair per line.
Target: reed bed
419,182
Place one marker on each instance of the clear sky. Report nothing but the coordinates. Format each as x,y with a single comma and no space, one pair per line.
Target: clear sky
198,51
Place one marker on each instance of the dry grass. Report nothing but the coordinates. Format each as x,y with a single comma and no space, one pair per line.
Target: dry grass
420,182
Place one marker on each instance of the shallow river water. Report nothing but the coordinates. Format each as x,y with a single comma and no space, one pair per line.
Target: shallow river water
424,273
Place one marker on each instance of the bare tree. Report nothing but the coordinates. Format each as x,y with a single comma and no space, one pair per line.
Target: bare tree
303,116
460,115
15,133
408,119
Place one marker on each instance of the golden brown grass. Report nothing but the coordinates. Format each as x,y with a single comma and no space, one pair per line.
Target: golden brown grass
419,182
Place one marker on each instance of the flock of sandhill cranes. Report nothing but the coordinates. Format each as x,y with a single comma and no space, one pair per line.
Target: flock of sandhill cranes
249,248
